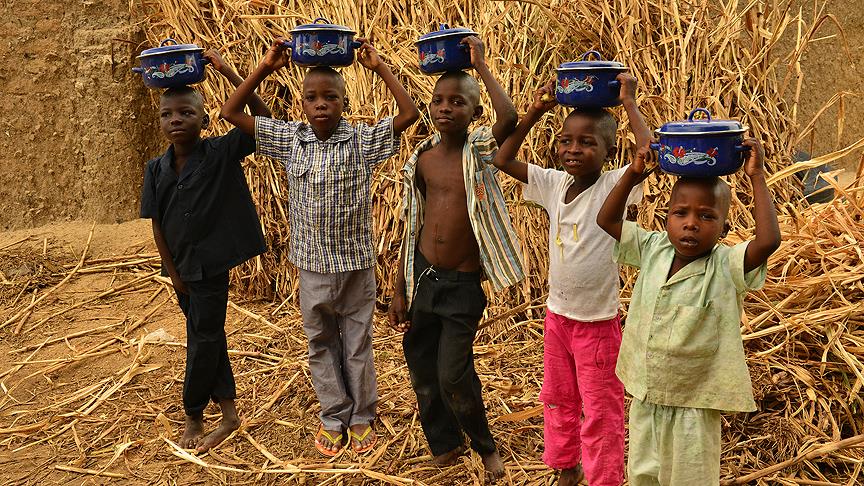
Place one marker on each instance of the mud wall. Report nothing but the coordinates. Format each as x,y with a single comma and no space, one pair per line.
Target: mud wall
75,127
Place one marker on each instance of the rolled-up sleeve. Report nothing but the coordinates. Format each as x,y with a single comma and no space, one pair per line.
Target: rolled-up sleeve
378,142
752,280
274,138
628,250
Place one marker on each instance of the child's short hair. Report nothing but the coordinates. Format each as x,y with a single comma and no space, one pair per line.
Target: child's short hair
461,76
329,72
177,91
715,185
606,124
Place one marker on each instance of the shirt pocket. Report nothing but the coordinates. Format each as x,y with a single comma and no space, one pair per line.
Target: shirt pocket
695,332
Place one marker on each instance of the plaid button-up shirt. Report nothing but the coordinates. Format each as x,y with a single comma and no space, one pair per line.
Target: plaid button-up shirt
500,250
329,184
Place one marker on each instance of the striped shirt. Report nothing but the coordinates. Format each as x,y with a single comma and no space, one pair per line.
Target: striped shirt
329,189
500,250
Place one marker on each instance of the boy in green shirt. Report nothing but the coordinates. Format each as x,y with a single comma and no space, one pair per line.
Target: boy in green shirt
682,358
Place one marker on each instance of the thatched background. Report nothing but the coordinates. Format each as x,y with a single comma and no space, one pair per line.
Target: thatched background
803,332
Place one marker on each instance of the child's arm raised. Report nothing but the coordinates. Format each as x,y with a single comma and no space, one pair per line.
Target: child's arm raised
505,158
628,99
611,215
767,229
277,57
408,112
505,112
255,103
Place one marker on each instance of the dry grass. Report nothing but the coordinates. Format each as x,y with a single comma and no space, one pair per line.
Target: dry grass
803,332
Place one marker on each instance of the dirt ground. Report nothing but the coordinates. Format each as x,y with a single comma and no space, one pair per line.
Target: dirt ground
89,398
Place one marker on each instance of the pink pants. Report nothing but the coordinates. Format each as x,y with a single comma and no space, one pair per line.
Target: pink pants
579,379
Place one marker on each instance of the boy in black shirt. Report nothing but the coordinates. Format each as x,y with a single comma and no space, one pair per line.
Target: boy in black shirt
204,223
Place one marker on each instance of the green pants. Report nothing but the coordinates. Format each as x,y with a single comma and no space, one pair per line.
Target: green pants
673,446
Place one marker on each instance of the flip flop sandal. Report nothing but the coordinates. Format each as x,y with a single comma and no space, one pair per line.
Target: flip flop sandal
333,440
360,438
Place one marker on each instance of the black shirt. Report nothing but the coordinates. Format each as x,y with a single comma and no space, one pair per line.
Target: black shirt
207,215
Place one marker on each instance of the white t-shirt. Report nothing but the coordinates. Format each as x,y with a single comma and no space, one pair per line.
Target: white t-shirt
583,279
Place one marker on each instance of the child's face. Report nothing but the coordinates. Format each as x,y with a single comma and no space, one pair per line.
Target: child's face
696,219
181,118
453,107
323,101
581,149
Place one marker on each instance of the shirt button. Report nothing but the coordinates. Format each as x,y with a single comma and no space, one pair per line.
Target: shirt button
180,186
186,214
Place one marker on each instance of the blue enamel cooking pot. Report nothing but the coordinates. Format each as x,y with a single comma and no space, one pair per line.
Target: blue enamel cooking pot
701,147
169,66
589,84
441,51
322,44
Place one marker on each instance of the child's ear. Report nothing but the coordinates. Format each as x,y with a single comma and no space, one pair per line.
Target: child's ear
726,228
205,121
347,105
611,152
478,112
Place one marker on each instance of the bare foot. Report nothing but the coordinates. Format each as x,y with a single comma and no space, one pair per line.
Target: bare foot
449,458
358,431
494,467
230,423
193,432
572,476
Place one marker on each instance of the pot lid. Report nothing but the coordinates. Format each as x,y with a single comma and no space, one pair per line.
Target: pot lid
704,126
444,30
599,63
322,24
165,48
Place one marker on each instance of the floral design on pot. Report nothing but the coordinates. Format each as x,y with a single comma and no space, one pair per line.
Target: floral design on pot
701,148
171,65
442,50
680,156
589,84
322,44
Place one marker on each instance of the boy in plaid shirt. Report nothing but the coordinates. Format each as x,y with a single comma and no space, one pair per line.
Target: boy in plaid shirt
329,165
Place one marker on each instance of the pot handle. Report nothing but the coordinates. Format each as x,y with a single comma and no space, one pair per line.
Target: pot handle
138,70
355,44
287,44
614,84
655,146
443,26
699,110
588,53
325,21
162,44
742,148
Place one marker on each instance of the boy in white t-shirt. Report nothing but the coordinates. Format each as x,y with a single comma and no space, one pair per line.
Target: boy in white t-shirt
582,331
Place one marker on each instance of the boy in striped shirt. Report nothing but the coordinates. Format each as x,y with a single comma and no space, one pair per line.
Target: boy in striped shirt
457,230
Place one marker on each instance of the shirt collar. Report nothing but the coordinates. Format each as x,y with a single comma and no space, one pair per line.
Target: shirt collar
343,133
692,269
192,162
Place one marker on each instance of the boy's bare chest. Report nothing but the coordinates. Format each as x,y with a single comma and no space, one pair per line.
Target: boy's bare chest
441,177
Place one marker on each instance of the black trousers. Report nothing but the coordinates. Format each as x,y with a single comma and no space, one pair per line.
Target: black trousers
208,371
445,311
